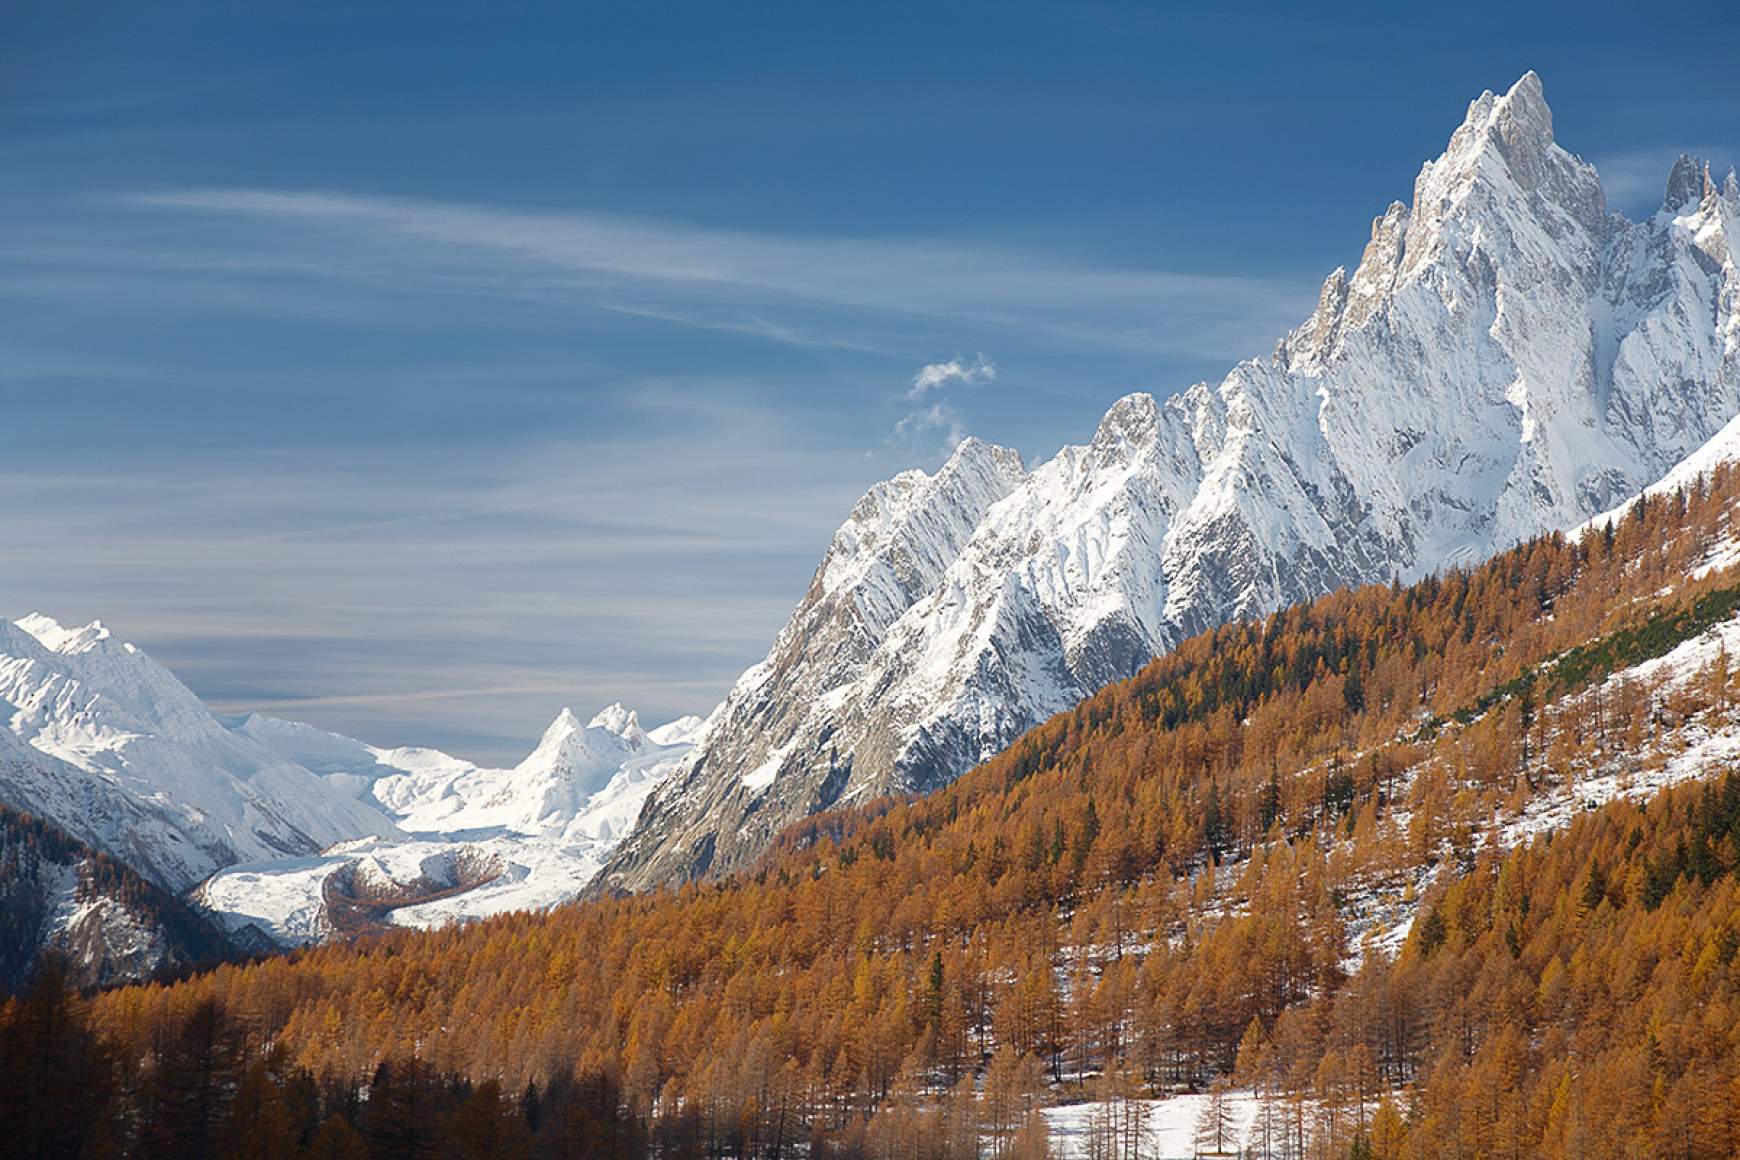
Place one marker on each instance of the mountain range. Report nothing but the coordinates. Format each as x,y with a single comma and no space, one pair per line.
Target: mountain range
263,819
1441,869
470,841
1508,357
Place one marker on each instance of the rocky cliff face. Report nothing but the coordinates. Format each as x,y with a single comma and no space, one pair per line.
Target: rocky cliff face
58,895
1508,357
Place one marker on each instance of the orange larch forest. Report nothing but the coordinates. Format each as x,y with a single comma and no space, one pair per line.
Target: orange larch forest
1408,862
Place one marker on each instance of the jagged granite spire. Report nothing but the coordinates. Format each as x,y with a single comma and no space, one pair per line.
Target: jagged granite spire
1687,181
1507,358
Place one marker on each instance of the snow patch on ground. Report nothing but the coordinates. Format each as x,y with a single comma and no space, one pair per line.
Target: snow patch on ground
1380,915
1171,1125
764,774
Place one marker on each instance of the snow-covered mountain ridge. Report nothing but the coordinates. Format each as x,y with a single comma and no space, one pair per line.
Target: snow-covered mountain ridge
108,745
1508,357
478,841
114,749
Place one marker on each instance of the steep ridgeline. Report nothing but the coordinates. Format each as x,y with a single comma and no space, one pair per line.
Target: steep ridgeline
893,550
110,746
1508,357
110,925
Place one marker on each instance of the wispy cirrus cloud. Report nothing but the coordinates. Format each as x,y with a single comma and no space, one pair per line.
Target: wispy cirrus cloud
495,583
784,287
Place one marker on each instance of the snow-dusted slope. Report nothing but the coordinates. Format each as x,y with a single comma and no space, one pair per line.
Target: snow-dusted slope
1723,447
58,894
1508,357
106,743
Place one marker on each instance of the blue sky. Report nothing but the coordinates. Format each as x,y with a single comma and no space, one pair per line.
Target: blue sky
419,369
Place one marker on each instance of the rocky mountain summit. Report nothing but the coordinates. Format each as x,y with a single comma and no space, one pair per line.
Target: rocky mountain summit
1508,357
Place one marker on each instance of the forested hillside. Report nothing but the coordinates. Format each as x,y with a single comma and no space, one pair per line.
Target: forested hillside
59,896
1411,863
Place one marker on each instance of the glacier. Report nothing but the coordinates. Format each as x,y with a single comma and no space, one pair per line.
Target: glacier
253,818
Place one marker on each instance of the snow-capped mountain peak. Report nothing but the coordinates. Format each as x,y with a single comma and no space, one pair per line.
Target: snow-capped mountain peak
57,638
161,783
1518,124
613,718
135,692
1507,357
571,764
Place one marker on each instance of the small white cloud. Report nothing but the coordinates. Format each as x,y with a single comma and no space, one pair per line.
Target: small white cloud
936,428
935,376
931,432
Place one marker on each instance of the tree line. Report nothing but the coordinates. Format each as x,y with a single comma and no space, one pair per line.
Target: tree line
1177,884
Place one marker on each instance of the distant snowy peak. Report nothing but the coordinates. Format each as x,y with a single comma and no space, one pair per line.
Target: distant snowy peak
528,837
117,686
613,718
572,764
132,763
565,741
1507,357
572,769
613,734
